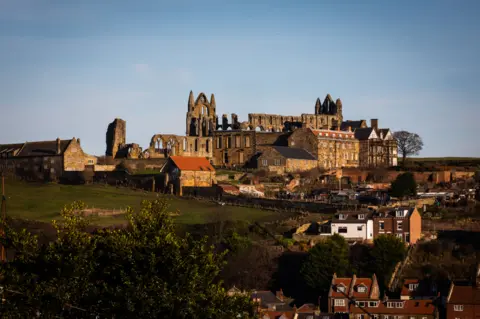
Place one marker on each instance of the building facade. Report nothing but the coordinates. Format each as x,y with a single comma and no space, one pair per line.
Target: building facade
356,226
45,160
282,159
402,222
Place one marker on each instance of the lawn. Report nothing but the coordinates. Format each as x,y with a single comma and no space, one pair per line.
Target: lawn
43,202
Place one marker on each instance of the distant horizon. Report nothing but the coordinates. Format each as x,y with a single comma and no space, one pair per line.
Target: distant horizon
70,68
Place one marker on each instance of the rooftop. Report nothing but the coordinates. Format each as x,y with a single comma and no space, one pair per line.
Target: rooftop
192,163
294,153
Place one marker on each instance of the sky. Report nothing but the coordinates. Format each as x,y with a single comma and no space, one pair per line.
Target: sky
69,68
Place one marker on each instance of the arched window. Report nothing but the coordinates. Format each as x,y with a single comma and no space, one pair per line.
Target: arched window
207,146
184,144
159,144
196,145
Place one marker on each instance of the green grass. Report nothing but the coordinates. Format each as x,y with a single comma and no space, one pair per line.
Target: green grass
146,172
43,202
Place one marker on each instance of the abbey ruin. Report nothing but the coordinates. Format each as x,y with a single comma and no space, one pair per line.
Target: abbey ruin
324,134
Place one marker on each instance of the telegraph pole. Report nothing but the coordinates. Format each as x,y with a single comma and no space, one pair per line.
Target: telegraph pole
4,212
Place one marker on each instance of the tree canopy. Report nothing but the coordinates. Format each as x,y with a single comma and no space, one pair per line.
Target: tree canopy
143,271
387,251
324,259
404,185
408,144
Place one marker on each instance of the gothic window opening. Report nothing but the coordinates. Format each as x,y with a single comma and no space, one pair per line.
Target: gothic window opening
196,145
207,146
229,142
159,145
184,144
247,141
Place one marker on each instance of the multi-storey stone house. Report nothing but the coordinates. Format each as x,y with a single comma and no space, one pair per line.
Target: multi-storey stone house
45,160
357,226
282,159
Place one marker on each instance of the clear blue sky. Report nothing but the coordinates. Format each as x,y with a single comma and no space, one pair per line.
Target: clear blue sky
68,68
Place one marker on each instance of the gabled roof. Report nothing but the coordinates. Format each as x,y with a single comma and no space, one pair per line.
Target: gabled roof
294,153
392,212
339,282
42,148
185,163
363,133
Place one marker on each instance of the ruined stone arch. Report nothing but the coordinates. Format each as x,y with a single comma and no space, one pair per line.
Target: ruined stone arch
158,141
260,128
201,99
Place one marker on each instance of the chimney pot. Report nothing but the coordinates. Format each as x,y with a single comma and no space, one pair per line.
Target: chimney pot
58,145
374,123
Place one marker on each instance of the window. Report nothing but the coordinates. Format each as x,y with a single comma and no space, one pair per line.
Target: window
341,288
386,317
277,162
237,141
373,304
399,305
458,307
342,230
390,304
399,225
381,225
399,236
264,162
362,289
342,217
196,145
361,304
339,302
229,142
219,142
361,216
90,161
359,228
412,287
360,316
247,141
399,213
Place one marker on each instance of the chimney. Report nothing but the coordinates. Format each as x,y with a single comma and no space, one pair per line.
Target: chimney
280,294
349,129
59,150
78,141
374,124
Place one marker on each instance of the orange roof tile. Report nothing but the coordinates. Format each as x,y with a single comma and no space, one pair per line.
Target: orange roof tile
192,163
410,307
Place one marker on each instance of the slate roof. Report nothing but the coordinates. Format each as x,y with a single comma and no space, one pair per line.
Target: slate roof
363,133
43,148
10,147
192,163
391,212
353,124
294,153
352,217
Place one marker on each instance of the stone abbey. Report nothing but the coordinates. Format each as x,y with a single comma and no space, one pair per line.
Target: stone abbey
265,141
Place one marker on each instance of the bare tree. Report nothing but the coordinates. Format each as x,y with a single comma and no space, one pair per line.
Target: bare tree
408,144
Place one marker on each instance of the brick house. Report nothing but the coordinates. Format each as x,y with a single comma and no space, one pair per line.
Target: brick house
418,289
403,222
463,300
394,309
343,290
281,159
45,160
183,171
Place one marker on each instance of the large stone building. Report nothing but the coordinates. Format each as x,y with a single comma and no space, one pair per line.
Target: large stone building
45,160
333,142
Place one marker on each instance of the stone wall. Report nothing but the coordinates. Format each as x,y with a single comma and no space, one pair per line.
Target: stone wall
116,136
147,163
74,158
48,168
233,148
300,165
197,179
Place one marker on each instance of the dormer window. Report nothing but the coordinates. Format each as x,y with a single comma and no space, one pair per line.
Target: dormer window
362,289
342,216
341,288
399,213
390,304
361,216
412,287
399,305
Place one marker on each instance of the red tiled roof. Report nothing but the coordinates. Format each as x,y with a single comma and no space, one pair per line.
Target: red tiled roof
367,282
192,163
406,287
410,307
341,281
278,314
467,295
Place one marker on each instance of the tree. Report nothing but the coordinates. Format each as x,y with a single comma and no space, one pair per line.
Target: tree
408,144
143,271
404,185
325,259
387,251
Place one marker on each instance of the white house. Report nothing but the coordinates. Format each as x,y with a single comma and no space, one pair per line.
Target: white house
353,225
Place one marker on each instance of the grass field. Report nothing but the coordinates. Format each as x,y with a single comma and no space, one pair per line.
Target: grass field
43,202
